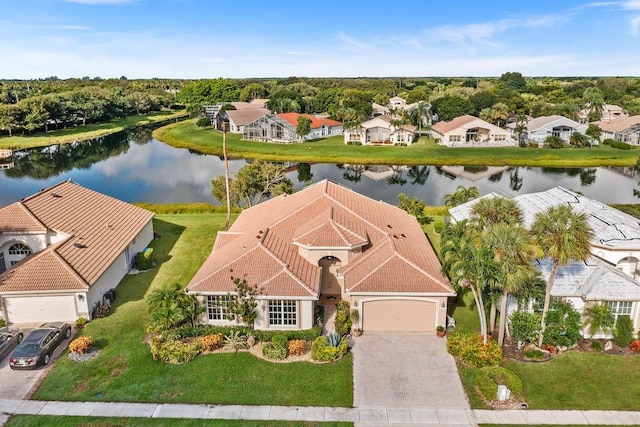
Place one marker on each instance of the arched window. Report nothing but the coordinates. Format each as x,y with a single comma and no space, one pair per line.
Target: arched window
19,249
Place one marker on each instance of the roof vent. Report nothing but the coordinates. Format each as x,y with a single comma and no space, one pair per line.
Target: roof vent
389,226
395,236
79,245
403,235
56,195
260,232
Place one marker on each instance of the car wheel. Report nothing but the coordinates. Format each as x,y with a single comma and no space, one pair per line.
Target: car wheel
46,359
68,333
20,336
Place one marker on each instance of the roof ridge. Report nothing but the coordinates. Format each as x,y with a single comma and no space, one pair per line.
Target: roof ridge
417,267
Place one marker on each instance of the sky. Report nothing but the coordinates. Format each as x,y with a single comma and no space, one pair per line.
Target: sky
348,38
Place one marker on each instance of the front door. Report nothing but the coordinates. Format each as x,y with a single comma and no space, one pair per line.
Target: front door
329,285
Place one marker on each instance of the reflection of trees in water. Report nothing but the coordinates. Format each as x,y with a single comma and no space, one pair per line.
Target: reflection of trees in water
43,163
496,177
304,172
140,135
587,176
515,181
439,171
418,174
352,173
398,176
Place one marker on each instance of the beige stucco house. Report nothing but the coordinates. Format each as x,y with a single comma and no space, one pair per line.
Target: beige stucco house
62,249
626,129
470,131
380,130
321,244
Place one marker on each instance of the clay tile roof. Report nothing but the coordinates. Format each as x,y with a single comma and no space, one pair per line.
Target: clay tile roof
263,249
98,227
316,122
444,127
16,218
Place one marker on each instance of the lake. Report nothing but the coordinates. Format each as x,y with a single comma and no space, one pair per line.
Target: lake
136,168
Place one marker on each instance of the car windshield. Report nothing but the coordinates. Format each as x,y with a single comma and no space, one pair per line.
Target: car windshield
26,349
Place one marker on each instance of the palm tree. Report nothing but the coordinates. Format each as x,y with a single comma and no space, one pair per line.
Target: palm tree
226,175
170,306
598,317
461,195
593,101
514,253
421,114
564,236
489,211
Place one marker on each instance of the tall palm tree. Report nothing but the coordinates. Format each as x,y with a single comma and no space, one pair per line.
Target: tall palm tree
593,101
421,114
514,253
490,211
564,236
461,195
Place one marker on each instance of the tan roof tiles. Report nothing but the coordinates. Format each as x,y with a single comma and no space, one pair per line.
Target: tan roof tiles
397,257
16,218
444,127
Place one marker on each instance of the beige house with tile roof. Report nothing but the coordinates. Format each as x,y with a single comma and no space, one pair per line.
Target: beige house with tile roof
626,129
380,130
321,244
470,131
62,249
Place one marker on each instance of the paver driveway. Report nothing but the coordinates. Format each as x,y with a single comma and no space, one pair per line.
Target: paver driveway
405,370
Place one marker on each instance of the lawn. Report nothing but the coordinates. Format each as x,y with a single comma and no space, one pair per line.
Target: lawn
55,421
125,370
90,131
425,151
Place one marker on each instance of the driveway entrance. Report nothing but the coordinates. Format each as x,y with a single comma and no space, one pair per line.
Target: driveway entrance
405,370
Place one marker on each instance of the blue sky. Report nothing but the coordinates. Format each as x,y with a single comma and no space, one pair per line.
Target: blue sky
212,38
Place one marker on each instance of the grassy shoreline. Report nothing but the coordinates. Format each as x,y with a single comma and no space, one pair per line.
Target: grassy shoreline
425,151
90,131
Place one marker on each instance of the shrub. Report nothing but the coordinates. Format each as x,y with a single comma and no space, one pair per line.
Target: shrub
524,326
175,352
534,354
144,260
489,378
470,349
80,321
203,122
295,347
235,341
322,351
635,346
187,331
608,141
563,324
3,323
620,145
533,144
553,142
274,352
81,345
623,332
211,342
343,318
280,340
596,346
598,317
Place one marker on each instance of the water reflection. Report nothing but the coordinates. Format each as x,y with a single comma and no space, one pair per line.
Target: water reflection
134,167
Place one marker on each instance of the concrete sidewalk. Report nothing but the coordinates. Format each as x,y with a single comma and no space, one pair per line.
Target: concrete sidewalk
359,416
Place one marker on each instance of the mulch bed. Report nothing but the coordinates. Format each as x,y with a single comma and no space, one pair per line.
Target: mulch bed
511,351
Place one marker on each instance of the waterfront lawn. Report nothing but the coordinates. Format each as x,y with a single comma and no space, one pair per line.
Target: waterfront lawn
425,151
66,421
125,370
90,131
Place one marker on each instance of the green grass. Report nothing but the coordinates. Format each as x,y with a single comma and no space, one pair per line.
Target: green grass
425,151
65,421
125,370
90,131
463,309
581,381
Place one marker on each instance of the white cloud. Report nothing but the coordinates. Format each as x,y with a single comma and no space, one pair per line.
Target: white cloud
635,25
350,41
630,5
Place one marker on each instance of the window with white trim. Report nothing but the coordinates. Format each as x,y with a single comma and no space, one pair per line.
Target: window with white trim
454,138
499,137
19,249
217,308
620,308
283,313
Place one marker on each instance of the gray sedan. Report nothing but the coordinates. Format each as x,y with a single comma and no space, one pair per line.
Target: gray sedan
9,339
38,347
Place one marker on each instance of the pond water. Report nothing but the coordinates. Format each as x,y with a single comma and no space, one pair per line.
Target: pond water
136,168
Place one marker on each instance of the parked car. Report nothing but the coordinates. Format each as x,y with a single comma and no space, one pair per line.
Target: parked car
9,339
37,348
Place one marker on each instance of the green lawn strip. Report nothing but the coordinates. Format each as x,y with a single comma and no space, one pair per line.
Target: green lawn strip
90,131
468,378
125,370
66,421
581,381
547,425
425,151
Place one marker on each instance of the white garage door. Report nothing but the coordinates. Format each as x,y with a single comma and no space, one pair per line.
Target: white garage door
398,315
41,309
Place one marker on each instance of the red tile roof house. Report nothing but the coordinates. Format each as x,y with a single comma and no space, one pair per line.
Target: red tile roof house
323,243
62,249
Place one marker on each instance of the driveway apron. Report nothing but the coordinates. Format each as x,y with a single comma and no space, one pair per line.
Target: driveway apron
405,370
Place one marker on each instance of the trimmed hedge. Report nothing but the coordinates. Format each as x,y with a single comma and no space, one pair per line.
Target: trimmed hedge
144,260
470,349
488,379
202,330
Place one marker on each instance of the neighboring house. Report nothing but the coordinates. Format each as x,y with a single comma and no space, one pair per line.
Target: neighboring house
626,129
380,130
62,249
321,244
542,127
609,113
213,111
612,274
470,131
237,119
282,128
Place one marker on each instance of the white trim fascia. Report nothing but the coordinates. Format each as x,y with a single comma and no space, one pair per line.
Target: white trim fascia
401,295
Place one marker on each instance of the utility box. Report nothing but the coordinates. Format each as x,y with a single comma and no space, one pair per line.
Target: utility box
503,392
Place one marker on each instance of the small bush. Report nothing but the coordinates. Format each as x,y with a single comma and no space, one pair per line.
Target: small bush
203,122
211,342
296,347
202,330
81,321
280,340
619,145
488,379
343,318
534,354
564,324
470,349
623,332
596,346
274,352
635,346
553,142
144,260
235,341
524,326
175,352
608,141
3,323
323,352
533,144
81,345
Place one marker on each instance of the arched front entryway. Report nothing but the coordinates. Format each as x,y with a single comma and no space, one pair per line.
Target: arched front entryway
329,285
628,265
